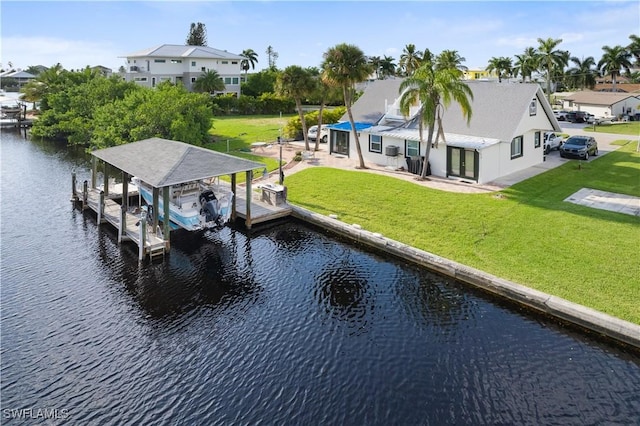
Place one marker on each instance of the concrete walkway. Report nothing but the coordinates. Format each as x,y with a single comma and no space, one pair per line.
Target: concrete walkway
620,203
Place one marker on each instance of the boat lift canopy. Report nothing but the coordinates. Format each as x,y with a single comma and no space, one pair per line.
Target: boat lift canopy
162,162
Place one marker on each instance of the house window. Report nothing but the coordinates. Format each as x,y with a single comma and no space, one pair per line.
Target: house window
412,148
533,107
227,80
536,139
193,63
203,69
139,78
225,62
516,147
176,61
160,61
234,62
193,79
235,80
375,143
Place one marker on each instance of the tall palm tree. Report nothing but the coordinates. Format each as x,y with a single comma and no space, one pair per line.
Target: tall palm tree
526,63
410,59
501,65
583,73
433,88
209,82
344,65
296,82
613,59
450,59
551,58
250,61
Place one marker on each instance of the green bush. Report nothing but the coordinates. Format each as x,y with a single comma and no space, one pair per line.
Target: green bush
293,128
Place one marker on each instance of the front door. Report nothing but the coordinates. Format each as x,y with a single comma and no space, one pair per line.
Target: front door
462,162
340,142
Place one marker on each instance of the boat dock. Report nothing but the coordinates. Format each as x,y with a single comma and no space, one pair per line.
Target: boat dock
131,225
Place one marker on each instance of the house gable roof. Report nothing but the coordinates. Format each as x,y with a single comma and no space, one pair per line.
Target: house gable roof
179,51
497,108
599,98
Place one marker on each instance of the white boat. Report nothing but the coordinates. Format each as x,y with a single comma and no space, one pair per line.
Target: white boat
193,206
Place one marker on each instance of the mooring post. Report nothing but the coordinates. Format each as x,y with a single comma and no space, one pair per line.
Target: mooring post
100,207
166,223
122,225
143,235
233,202
85,194
74,194
94,171
247,220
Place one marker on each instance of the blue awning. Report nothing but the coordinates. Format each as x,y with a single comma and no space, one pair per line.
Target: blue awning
345,125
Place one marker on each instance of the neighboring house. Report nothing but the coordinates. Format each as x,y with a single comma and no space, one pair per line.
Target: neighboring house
504,135
603,104
20,77
480,74
183,64
102,70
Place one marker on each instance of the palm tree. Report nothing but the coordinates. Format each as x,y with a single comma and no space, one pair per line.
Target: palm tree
502,66
526,63
209,82
251,60
410,59
433,88
296,82
344,65
450,59
583,73
387,67
374,61
551,58
634,48
613,59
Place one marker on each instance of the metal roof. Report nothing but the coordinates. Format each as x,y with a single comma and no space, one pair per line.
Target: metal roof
181,51
162,162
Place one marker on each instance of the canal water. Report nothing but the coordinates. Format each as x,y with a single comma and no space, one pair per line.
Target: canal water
282,325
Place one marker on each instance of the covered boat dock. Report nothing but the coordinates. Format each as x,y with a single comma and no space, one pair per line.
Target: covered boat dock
160,163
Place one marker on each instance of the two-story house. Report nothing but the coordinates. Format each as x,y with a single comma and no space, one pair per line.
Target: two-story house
504,135
183,64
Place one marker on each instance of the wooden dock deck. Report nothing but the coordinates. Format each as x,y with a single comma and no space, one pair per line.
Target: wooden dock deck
261,211
134,228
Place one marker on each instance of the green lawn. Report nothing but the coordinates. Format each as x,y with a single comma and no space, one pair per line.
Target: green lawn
526,233
234,135
630,128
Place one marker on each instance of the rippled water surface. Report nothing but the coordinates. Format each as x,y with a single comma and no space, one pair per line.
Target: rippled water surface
283,325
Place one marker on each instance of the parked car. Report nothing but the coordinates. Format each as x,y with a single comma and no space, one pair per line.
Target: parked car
589,118
561,115
576,116
552,141
312,134
579,147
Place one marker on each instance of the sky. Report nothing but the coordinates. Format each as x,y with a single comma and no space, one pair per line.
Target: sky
80,33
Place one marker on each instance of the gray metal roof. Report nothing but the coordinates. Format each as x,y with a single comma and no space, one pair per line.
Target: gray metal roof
497,108
161,162
180,51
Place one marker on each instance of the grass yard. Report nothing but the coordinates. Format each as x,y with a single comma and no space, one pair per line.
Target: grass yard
234,135
526,233
629,128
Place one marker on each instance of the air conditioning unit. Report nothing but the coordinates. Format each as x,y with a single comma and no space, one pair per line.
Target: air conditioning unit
391,151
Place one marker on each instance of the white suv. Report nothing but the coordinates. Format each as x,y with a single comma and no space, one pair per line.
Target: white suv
312,134
552,141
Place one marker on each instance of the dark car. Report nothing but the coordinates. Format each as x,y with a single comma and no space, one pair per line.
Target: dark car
576,117
579,147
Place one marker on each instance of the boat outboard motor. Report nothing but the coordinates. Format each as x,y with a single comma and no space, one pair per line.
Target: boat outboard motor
209,205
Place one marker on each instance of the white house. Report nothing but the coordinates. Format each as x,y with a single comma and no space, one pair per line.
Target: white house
504,135
603,104
183,64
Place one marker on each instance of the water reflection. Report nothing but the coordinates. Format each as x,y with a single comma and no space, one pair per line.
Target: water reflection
279,325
